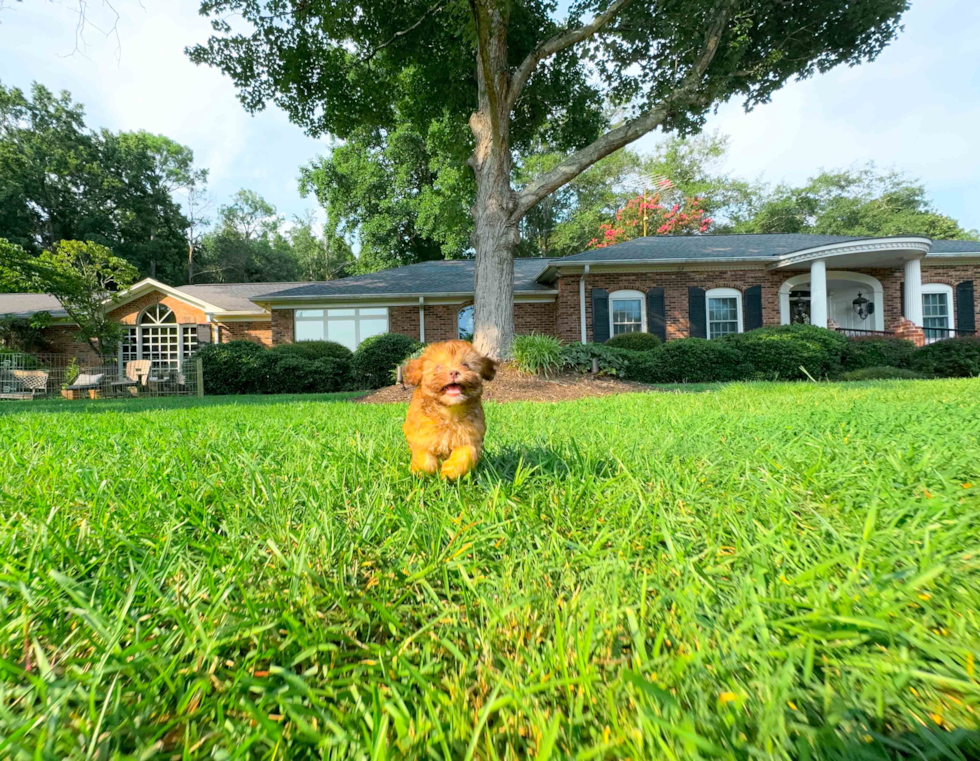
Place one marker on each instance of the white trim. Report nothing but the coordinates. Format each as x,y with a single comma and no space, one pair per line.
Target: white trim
628,295
917,245
858,277
422,319
950,304
722,293
149,284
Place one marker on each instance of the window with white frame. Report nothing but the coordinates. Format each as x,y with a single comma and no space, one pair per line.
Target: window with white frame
937,311
627,312
349,327
724,309
158,338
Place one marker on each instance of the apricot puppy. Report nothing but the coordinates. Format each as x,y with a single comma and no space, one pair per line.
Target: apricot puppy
445,423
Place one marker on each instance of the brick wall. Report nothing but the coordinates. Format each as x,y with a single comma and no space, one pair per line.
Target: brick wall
405,320
257,331
536,318
442,320
282,326
61,340
127,314
675,285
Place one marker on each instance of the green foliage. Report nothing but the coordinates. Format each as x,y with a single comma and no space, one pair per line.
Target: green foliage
377,358
859,202
634,341
25,333
72,371
782,353
876,352
953,358
319,256
882,372
537,354
689,360
286,539
231,368
83,276
578,357
12,359
62,181
280,373
315,350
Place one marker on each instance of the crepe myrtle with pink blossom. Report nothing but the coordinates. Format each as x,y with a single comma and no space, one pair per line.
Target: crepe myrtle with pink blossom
648,215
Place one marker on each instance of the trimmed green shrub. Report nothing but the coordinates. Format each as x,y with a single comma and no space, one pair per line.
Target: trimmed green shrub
231,368
690,360
877,352
882,372
292,374
953,358
377,357
634,341
536,354
315,350
778,353
578,357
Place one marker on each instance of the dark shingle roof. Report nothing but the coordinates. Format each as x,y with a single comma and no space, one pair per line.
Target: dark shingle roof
452,276
235,297
955,247
706,247
26,304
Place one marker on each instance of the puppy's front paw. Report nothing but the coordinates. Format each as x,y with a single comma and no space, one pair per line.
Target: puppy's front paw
460,462
424,462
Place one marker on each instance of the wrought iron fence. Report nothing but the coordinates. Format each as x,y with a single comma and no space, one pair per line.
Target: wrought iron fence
861,333
941,334
25,376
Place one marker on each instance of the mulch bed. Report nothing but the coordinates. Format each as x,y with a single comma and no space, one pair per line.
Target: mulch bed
512,386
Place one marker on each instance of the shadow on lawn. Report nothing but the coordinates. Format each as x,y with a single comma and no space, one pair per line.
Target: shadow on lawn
146,404
925,744
515,463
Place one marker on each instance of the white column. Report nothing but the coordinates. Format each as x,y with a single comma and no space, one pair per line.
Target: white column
422,319
913,291
818,293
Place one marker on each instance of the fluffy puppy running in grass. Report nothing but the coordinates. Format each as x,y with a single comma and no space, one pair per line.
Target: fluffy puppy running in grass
445,423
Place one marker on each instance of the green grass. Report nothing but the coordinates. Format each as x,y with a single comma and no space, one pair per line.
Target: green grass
756,571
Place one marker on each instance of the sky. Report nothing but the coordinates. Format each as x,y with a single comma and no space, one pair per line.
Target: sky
915,109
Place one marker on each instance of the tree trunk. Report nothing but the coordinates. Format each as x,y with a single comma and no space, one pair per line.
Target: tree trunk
495,235
190,263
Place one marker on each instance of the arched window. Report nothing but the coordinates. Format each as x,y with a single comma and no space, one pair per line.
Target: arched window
937,311
158,314
627,312
464,323
158,338
724,308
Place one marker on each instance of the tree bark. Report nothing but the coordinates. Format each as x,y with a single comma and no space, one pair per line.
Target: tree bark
495,233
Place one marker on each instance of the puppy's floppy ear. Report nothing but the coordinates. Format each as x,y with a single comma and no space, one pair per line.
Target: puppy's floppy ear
413,372
488,368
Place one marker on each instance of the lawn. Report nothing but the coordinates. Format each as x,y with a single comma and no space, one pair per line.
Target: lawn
767,571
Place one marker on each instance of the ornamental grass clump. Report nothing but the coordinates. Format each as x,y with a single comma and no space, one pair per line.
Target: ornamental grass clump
537,354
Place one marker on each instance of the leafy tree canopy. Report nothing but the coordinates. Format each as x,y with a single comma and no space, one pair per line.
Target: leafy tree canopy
862,202
61,181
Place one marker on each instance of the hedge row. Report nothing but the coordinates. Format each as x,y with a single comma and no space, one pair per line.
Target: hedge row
796,352
243,367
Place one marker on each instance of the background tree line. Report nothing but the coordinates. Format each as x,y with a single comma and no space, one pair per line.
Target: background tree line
398,197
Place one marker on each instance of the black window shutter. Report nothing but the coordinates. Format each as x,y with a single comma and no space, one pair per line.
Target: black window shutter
697,312
966,313
204,334
901,297
657,313
752,304
600,315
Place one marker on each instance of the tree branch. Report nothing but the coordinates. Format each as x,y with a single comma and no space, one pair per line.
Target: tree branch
578,162
482,20
434,9
555,45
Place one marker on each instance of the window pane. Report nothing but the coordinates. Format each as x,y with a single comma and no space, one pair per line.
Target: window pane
373,312
309,313
309,331
340,313
627,316
722,309
342,331
722,329
373,327
465,323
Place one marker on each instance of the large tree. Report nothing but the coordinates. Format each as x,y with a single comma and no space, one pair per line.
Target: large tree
61,181
527,75
862,201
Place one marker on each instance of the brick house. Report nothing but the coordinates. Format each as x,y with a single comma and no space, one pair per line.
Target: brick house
674,287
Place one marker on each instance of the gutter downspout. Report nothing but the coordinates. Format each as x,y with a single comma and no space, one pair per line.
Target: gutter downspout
581,303
422,319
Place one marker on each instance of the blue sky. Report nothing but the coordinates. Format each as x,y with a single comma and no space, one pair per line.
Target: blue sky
917,108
